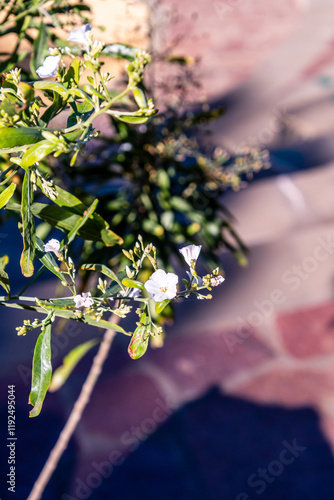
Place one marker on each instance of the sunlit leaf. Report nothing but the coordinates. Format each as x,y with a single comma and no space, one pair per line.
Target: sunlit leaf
6,195
12,137
4,279
139,342
29,241
37,152
53,86
40,48
132,283
160,306
120,51
134,120
41,370
104,270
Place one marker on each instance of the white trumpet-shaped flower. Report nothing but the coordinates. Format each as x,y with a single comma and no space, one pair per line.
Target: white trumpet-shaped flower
191,252
49,67
162,285
52,246
83,300
80,35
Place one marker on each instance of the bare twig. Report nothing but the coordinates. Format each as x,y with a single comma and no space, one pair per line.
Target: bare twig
75,416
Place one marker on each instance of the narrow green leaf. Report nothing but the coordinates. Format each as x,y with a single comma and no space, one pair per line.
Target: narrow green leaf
37,152
17,137
104,270
98,225
6,195
53,86
81,222
134,120
140,97
139,343
73,73
70,361
132,283
40,48
120,51
160,306
29,240
81,94
4,279
52,111
90,90
41,370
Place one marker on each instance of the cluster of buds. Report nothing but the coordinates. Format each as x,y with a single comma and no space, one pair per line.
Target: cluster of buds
37,323
136,67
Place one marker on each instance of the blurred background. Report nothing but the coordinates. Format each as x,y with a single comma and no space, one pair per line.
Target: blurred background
239,403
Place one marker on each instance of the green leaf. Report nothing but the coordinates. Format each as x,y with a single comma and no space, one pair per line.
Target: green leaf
132,283
28,224
73,73
40,48
70,361
160,306
90,90
66,221
134,120
99,228
4,279
120,51
41,370
140,97
81,222
37,152
6,195
53,86
81,110
52,111
139,342
104,270
81,94
22,136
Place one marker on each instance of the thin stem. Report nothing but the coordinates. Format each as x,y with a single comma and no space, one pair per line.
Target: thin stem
74,418
21,15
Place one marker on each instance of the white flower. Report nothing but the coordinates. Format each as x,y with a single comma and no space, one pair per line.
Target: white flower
49,67
134,294
80,35
52,246
83,300
217,280
191,252
162,285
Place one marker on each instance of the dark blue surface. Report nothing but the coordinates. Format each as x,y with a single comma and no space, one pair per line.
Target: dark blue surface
209,449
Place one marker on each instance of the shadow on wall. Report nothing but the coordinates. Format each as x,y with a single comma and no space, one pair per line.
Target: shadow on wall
223,448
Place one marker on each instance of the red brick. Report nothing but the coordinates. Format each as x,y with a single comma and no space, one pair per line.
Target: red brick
309,332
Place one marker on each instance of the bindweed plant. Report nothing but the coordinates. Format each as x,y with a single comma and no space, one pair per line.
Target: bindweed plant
27,136
151,177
